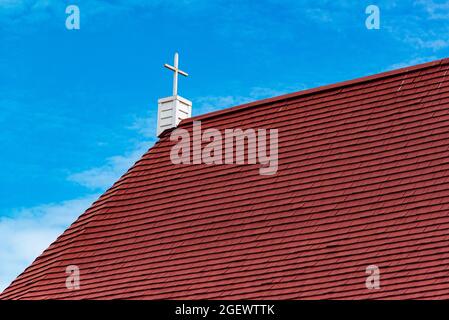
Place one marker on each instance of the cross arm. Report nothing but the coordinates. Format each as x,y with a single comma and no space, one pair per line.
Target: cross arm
185,74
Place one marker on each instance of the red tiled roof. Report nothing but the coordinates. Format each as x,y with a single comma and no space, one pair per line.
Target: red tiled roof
363,179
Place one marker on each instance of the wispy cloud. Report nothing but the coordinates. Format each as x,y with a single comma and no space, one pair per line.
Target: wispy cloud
427,41
34,11
27,11
28,231
411,62
211,103
319,15
14,5
144,126
435,11
104,176
418,25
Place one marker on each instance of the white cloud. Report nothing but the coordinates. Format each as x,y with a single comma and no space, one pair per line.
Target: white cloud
211,103
104,176
319,15
420,28
27,232
427,41
12,5
435,11
30,11
145,126
411,62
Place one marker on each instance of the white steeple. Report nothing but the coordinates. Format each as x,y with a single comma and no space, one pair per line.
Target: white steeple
173,109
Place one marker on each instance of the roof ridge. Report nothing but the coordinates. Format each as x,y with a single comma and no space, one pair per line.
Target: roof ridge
333,86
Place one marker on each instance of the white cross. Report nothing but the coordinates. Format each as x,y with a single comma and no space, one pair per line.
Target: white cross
175,75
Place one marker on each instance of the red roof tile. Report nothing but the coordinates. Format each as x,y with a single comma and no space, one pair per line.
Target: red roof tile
363,179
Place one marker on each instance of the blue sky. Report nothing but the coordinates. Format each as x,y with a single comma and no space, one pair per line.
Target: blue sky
78,107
